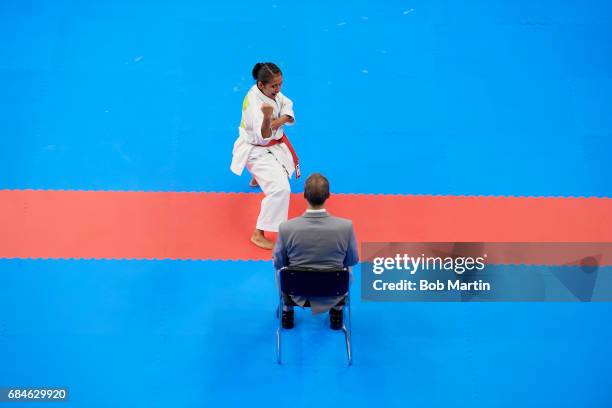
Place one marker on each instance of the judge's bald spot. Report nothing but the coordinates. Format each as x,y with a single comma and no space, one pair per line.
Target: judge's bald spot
316,189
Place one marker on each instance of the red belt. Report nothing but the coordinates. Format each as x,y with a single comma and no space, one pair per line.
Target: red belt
287,143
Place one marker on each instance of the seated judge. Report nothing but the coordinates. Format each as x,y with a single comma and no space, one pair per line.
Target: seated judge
317,240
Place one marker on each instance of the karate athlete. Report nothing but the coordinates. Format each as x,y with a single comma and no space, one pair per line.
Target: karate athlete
264,149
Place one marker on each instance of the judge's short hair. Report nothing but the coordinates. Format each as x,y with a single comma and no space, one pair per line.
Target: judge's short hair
316,189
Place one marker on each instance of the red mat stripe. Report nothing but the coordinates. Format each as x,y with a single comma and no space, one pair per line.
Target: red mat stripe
169,225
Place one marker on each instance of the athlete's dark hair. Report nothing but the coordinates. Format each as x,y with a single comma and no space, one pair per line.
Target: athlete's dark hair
265,71
316,189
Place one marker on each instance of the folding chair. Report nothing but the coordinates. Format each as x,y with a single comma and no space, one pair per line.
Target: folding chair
311,282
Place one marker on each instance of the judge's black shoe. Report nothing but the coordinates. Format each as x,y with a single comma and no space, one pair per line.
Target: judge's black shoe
335,319
287,319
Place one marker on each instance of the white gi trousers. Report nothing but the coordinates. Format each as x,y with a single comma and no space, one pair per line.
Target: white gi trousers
272,177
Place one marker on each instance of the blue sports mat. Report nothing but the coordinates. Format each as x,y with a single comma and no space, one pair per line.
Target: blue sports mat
161,333
431,97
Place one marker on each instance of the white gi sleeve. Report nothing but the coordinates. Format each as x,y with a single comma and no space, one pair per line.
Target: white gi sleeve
287,108
253,118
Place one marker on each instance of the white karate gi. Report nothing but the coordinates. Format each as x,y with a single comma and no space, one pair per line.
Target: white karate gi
271,166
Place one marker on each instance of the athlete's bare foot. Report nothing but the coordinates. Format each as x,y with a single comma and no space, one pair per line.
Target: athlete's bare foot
261,241
253,182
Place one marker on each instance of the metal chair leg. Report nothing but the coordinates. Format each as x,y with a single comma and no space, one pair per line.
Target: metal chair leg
278,330
347,332
278,346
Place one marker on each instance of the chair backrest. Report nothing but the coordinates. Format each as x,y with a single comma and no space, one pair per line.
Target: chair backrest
300,281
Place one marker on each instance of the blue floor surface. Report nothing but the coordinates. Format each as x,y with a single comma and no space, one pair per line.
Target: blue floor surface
164,333
426,97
